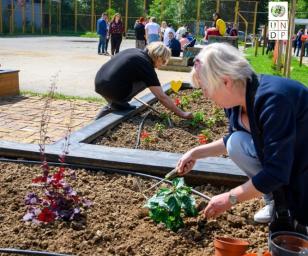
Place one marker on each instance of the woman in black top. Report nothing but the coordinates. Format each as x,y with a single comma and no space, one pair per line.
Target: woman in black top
130,72
116,30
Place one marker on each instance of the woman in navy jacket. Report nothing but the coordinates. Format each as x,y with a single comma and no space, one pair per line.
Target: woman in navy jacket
268,134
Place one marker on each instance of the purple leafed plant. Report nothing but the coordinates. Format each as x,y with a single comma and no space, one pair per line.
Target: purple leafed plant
55,198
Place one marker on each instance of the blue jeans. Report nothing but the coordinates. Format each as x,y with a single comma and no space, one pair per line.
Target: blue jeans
153,38
241,150
101,44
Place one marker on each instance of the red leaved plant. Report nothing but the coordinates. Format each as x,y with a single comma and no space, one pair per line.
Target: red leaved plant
56,199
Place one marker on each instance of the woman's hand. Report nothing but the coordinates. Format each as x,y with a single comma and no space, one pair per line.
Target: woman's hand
217,206
186,163
187,115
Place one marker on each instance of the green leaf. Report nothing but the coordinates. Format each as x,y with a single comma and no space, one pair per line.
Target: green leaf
178,182
188,204
173,204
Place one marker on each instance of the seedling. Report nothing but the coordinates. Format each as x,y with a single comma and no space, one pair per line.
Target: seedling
159,128
169,205
197,119
184,102
197,94
202,139
147,138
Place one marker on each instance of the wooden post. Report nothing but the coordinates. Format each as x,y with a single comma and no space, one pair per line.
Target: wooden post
75,15
145,6
33,17
23,18
255,19
49,18
126,16
291,29
217,6
279,58
1,25
12,17
256,46
60,18
92,15
264,39
161,9
109,4
236,12
181,10
198,17
285,67
302,54
42,22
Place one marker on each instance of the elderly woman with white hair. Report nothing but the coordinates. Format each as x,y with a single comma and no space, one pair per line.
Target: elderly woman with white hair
130,72
268,136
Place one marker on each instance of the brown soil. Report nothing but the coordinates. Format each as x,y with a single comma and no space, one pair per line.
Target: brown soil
180,138
116,223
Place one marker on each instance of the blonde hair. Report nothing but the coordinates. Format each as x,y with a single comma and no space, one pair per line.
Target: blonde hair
158,50
216,61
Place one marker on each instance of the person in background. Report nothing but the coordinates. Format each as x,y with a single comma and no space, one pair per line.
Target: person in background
184,41
152,31
181,31
130,72
306,46
163,27
101,29
298,40
166,34
219,28
268,120
174,45
205,33
107,36
116,30
229,27
140,33
233,31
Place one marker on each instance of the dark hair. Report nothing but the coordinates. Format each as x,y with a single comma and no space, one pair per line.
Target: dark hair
141,19
217,14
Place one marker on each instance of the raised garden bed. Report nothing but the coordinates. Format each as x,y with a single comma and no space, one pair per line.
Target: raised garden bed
116,223
209,124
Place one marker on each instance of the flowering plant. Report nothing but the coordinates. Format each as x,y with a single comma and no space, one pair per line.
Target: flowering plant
56,199
147,137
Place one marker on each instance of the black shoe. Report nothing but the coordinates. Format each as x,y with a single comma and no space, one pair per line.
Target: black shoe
104,111
122,106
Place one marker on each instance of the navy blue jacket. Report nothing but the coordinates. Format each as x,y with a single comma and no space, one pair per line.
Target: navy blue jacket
175,47
101,27
278,116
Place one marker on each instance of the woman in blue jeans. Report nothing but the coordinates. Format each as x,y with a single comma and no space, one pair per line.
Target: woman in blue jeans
268,136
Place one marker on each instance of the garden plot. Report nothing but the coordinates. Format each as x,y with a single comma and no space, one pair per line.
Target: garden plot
209,123
116,223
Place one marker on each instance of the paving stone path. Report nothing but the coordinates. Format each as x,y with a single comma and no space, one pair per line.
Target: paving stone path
20,118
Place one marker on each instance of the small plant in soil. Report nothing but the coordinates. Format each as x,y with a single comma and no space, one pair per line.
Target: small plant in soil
54,198
202,139
147,138
198,119
184,102
159,128
170,205
196,94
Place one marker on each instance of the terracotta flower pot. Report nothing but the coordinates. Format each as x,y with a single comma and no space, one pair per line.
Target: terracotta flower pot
226,246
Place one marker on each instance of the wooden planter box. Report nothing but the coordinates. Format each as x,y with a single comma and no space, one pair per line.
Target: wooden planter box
9,83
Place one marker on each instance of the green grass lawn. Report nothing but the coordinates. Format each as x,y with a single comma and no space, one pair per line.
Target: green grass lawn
263,64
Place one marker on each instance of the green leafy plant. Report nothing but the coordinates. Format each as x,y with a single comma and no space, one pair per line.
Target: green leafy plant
159,128
198,118
169,205
184,101
196,94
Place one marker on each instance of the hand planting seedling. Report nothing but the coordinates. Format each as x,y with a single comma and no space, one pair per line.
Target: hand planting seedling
169,205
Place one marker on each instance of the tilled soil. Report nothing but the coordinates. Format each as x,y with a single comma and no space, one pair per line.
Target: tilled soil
179,138
116,224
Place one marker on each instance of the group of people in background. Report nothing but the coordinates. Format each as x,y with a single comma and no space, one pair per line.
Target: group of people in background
298,40
112,30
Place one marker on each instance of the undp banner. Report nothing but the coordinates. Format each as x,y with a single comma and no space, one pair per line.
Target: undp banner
278,20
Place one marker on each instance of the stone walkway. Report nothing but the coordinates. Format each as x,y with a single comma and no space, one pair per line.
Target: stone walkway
20,118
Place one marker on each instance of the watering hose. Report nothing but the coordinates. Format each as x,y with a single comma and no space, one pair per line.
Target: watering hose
140,128
107,170
29,252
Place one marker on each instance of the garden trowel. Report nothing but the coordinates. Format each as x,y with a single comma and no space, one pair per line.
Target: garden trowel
170,175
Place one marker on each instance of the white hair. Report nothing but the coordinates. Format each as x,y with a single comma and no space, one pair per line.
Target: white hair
216,61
